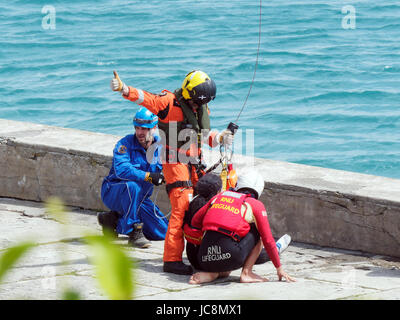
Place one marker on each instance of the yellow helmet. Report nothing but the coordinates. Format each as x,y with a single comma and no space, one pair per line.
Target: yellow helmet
199,87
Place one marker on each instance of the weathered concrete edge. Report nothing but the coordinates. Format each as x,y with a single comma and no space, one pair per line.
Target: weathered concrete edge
328,193
40,172
328,216
40,148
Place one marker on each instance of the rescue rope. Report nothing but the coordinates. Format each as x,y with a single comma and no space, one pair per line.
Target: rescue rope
154,205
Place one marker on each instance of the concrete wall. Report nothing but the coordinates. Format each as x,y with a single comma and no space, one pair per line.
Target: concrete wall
314,205
38,161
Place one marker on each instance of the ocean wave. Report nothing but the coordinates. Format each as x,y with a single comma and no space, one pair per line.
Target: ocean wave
384,7
320,92
355,95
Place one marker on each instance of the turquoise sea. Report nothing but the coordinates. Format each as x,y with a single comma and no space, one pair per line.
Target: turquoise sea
326,92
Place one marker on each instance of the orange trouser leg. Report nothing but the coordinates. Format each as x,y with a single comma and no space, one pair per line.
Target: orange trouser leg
174,242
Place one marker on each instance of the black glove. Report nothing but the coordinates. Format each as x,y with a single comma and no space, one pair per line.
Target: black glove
155,178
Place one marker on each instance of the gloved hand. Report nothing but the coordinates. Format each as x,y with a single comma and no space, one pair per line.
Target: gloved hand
225,137
155,178
118,85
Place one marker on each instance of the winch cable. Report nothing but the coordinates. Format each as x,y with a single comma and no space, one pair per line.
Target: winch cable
233,125
256,63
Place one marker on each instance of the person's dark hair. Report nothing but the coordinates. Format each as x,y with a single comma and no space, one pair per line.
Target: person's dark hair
208,186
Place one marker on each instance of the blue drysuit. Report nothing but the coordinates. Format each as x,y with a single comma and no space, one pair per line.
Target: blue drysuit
125,191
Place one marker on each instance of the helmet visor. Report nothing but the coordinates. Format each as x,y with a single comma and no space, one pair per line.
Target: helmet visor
143,121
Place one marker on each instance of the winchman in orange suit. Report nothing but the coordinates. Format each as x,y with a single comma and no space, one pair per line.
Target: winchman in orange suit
185,123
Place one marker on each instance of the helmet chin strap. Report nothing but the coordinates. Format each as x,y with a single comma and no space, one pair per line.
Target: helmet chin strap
247,191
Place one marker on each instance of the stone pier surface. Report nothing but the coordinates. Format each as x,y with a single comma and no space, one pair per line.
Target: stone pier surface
61,261
345,226
314,205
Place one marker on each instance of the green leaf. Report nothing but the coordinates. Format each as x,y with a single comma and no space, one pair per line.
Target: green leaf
55,208
11,256
71,294
113,267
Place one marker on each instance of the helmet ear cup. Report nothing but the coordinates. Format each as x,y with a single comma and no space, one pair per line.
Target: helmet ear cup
204,92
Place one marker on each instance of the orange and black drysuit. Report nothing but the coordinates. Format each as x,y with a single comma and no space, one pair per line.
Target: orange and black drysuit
176,119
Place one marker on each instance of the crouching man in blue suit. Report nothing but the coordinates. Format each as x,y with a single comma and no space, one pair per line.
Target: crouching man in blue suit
128,186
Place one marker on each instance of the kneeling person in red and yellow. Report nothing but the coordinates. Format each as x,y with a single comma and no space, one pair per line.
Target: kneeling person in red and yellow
229,228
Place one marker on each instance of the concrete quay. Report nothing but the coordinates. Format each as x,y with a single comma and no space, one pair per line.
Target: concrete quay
325,207
345,226
61,260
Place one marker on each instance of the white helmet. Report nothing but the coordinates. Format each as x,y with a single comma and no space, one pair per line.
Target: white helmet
251,179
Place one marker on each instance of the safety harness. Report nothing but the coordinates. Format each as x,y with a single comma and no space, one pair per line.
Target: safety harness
196,121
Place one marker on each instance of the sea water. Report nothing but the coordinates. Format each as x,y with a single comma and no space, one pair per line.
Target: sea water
326,91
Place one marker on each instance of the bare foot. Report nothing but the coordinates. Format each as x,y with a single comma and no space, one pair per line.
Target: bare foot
250,277
203,277
224,274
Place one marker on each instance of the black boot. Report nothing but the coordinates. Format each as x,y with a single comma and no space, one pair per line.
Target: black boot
177,267
108,222
137,238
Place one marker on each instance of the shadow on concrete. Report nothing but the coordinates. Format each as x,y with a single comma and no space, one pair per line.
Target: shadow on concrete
67,263
384,272
155,265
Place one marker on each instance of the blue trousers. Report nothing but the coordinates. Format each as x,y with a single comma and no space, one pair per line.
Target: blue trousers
132,203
